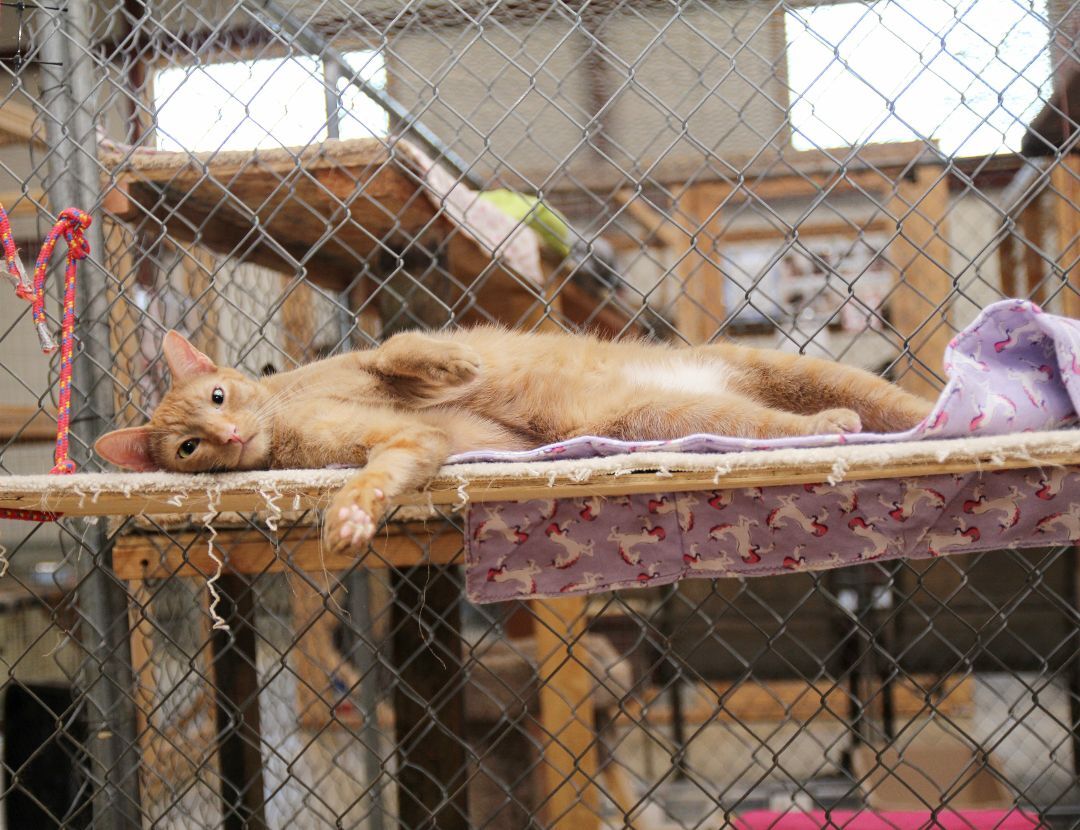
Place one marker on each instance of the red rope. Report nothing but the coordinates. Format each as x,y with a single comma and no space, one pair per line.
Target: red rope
72,225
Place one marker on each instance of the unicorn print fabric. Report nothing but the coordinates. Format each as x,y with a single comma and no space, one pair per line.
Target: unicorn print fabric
1014,369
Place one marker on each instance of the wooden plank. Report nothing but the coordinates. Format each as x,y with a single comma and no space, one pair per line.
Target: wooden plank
17,123
656,226
580,307
22,203
1006,257
571,800
429,700
132,494
26,424
887,157
1065,181
794,701
920,304
772,188
700,305
298,321
163,555
183,168
127,260
1033,223
196,274
847,229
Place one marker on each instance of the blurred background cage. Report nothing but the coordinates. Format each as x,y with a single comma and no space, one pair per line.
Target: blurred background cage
282,180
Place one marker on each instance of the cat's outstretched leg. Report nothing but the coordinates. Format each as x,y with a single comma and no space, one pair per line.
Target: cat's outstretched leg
659,415
808,384
422,370
402,454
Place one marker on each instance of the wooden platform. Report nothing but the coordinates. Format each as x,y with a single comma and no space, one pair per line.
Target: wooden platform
103,494
324,207
271,206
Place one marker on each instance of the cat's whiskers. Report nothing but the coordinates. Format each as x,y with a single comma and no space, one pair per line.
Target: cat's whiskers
281,399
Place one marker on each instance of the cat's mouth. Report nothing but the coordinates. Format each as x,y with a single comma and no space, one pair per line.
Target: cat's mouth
243,444
248,451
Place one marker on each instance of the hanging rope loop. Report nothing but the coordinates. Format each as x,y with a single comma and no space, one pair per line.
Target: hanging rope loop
13,265
71,225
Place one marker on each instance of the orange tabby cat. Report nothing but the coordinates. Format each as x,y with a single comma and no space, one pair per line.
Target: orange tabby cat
401,409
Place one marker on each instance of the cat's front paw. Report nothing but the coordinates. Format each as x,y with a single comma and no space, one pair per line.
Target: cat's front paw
832,421
352,518
427,371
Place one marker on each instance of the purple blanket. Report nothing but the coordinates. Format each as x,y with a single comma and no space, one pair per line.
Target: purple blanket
1014,369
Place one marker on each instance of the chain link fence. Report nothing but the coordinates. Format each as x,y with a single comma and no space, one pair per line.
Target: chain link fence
848,179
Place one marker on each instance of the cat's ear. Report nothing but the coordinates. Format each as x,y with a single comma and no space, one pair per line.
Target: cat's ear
185,361
128,448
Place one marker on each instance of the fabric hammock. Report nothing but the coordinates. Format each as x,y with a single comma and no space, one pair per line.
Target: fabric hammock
1015,368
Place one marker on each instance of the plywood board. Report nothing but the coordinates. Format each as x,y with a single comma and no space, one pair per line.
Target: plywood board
104,494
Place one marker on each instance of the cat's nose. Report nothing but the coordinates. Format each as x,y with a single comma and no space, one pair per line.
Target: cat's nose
232,435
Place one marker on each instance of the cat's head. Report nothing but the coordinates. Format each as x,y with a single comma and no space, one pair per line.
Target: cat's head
209,420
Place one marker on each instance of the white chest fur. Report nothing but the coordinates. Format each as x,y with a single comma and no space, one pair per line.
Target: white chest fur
677,375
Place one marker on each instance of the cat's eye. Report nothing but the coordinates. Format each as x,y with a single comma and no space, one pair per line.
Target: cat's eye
188,447
218,396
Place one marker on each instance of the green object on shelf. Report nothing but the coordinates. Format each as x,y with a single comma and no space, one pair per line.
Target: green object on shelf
552,228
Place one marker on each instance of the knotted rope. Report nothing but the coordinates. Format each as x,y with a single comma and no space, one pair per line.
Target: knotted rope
71,225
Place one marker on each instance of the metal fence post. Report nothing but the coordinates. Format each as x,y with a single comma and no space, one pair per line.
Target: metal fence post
106,677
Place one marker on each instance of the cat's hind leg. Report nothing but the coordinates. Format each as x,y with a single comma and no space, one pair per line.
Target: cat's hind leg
806,385
662,414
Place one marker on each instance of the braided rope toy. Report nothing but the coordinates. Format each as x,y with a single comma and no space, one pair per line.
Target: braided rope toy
71,224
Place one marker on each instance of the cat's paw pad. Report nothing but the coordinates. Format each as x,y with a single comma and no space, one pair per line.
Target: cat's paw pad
456,366
833,421
351,521
354,525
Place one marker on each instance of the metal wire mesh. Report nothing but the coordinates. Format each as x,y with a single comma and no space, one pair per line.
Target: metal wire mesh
849,179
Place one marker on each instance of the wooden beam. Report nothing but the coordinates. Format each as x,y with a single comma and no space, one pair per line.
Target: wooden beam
848,229
793,701
1065,181
22,203
1033,223
655,224
298,320
919,306
126,260
17,122
571,800
429,700
1006,257
239,733
26,424
164,555
886,159
774,188
700,307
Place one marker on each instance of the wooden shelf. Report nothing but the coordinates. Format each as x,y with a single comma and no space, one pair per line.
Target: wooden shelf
101,494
